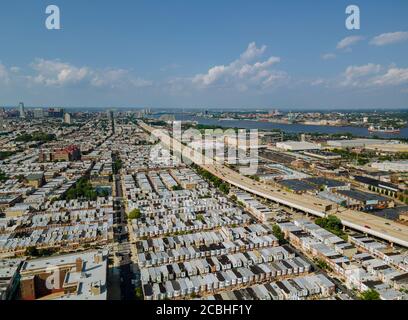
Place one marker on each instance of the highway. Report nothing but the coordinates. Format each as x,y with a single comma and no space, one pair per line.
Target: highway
376,226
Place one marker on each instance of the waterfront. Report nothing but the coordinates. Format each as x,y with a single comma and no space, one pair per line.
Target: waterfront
291,128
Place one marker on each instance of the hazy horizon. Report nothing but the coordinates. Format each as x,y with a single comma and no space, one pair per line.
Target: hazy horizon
265,54
213,109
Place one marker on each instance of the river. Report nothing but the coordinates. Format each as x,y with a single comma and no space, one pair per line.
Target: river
290,128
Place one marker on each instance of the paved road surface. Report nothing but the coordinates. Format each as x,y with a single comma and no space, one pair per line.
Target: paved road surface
126,275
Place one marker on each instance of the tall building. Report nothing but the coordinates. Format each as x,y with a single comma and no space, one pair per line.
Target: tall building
3,122
111,119
67,118
109,114
272,137
55,112
38,113
21,110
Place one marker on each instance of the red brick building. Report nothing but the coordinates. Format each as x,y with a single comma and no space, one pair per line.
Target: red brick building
69,153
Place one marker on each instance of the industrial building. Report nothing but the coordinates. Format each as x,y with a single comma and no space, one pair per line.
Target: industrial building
395,166
297,146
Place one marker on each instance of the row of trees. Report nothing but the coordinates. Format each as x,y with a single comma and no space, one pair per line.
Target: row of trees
370,294
393,157
361,159
333,224
117,165
217,182
34,252
36,136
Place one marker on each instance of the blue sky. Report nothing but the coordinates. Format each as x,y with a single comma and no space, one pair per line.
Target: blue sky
228,53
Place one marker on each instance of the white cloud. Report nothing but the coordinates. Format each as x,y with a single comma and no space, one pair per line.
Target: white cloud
211,76
393,77
4,74
347,42
373,75
57,73
243,72
363,70
328,56
108,77
369,75
389,38
353,74
277,77
60,74
318,82
252,52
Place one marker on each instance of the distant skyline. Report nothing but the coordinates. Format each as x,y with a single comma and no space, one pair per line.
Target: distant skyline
211,109
205,54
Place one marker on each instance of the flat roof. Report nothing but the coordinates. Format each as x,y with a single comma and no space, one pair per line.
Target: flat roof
331,183
92,274
298,185
362,196
375,182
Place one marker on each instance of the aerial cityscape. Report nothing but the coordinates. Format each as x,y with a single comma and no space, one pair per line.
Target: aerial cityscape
214,185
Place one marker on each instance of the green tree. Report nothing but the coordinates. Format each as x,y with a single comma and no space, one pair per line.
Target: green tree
332,224
36,136
370,294
3,176
83,189
46,252
362,161
134,214
117,165
224,188
32,251
5,154
139,293
323,265
277,232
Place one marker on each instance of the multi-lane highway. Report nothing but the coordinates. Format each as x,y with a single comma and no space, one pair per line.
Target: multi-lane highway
357,220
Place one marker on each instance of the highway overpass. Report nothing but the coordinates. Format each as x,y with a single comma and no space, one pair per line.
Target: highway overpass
376,226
